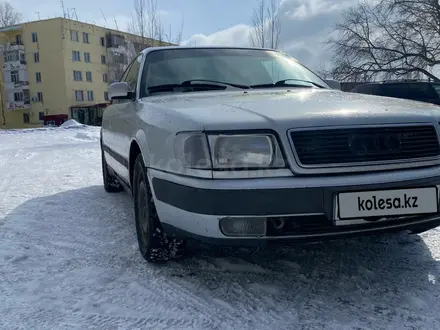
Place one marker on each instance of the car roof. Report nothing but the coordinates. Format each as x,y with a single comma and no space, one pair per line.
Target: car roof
151,49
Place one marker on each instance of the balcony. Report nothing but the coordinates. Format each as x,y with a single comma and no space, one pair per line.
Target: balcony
18,105
17,85
15,46
22,84
115,40
14,65
11,46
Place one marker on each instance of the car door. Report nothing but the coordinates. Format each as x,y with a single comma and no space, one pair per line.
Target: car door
120,118
110,118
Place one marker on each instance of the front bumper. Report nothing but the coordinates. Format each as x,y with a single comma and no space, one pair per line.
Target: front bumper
194,207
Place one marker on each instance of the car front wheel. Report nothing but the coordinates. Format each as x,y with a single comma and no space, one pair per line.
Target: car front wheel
153,242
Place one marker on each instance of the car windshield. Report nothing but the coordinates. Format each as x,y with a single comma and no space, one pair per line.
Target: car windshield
241,67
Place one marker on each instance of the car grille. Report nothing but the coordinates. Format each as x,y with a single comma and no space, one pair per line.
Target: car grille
364,145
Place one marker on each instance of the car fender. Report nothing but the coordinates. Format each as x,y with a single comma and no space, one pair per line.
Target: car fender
141,139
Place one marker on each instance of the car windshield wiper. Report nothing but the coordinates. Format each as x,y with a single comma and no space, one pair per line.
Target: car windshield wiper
190,84
283,83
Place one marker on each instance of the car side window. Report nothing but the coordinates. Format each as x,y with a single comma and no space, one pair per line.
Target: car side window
131,75
421,91
395,90
437,89
124,75
364,89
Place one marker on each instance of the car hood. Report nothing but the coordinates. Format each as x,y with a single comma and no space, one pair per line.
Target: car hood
298,108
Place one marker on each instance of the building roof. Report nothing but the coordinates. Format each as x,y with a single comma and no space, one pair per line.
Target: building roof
19,26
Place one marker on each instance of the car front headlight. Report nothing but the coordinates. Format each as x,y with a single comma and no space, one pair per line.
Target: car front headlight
192,150
229,151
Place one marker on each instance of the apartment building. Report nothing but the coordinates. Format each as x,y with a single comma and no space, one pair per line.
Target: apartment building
60,67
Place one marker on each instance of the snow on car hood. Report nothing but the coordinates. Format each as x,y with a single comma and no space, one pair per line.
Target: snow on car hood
294,108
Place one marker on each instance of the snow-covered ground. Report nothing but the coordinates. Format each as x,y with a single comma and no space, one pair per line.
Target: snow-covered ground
69,260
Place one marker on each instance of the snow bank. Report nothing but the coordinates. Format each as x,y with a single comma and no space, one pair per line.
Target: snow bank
71,123
90,135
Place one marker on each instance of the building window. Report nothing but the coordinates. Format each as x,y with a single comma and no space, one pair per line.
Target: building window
18,97
11,56
103,60
76,56
106,96
22,58
79,95
102,41
26,97
14,76
85,37
74,35
41,115
77,75
90,95
40,97
38,77
88,76
26,118
34,37
87,57
105,77
36,57
18,40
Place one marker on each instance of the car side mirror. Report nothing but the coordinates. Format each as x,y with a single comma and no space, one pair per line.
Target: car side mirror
119,91
333,83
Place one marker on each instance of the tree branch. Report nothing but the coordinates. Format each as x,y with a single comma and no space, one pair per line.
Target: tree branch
392,38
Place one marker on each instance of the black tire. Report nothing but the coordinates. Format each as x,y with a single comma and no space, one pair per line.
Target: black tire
153,242
111,184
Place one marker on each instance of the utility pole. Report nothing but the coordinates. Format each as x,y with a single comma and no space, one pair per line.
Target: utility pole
64,10
105,19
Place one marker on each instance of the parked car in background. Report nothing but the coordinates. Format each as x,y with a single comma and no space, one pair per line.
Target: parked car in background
422,91
244,146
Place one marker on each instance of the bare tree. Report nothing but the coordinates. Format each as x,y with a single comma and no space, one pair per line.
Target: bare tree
8,15
176,39
324,70
155,29
387,39
266,25
147,24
